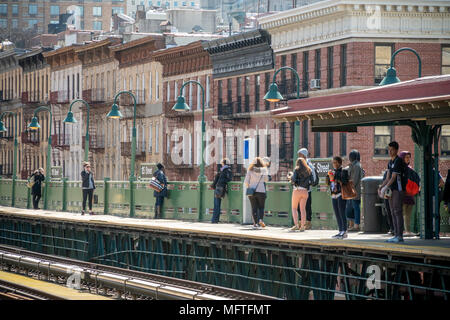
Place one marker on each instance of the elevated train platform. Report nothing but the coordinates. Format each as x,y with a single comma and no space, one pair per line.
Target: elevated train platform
271,261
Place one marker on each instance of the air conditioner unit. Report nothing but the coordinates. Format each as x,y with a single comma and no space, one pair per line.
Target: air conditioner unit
315,84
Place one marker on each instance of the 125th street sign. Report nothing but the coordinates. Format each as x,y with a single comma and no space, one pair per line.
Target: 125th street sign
146,170
56,173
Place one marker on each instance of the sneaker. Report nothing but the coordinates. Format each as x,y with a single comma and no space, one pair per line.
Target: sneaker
393,240
400,239
82,212
91,213
344,235
308,225
336,236
261,223
302,229
294,228
390,232
255,226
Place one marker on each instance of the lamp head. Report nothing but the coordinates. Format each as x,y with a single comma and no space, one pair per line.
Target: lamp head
273,95
70,118
34,125
181,105
390,78
115,112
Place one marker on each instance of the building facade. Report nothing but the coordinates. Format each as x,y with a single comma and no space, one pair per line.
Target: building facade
339,46
37,15
139,73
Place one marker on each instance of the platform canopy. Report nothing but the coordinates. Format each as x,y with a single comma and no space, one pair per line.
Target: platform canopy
426,99
423,104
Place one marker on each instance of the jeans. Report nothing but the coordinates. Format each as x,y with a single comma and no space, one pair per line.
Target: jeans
36,198
216,212
257,200
356,206
396,205
159,201
308,207
87,193
339,205
388,215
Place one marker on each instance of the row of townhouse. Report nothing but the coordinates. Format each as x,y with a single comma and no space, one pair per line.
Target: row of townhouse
335,46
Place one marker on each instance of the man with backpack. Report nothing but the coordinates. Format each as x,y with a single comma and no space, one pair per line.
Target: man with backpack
396,180
303,153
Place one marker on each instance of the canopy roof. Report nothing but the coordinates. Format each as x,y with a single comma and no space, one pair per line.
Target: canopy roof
426,98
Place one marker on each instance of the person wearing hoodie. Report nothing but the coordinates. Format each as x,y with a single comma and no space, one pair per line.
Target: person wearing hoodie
356,174
220,187
303,153
161,177
256,178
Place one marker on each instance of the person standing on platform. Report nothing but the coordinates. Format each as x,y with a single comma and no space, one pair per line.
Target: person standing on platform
303,153
396,182
161,177
388,209
88,187
301,180
334,180
36,189
356,173
255,179
220,185
408,200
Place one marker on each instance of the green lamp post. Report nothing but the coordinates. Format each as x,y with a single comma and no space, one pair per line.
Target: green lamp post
70,119
116,114
391,74
273,95
14,176
181,106
34,125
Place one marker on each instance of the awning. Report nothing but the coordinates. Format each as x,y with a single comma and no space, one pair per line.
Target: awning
426,98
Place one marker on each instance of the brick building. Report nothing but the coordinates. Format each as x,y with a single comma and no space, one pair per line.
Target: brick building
181,64
339,46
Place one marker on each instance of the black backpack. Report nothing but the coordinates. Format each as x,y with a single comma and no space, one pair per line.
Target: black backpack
314,182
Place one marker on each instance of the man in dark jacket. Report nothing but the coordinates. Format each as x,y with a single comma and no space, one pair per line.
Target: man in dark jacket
161,177
220,187
88,187
36,190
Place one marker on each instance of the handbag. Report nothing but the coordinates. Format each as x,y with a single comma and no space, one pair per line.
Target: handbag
30,183
219,192
251,191
348,191
155,185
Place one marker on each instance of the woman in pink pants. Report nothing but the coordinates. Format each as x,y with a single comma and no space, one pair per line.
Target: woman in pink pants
301,179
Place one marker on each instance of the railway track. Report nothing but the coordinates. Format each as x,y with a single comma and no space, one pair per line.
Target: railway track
123,283
14,291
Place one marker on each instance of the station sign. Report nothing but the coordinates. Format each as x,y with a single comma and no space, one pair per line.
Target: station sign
56,173
146,171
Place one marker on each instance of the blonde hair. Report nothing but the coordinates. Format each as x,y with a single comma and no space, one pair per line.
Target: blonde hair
258,163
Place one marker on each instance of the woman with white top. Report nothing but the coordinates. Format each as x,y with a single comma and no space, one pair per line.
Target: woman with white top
257,176
301,179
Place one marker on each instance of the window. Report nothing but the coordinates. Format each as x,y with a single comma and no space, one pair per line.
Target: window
15,9
15,24
383,53
257,87
3,23
219,93
157,85
305,70
294,66
117,10
32,9
343,66
150,138
247,94
445,60
54,10
317,65
329,144
4,9
175,4
445,141
229,91
97,11
157,138
168,91
383,136
32,23
317,145
207,92
266,88
97,25
192,4
330,67
305,134
343,144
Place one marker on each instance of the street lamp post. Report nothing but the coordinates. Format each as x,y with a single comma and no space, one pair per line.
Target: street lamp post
34,125
182,106
391,73
273,95
70,119
14,176
116,114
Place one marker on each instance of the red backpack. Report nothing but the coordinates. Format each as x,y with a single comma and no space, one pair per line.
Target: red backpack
413,183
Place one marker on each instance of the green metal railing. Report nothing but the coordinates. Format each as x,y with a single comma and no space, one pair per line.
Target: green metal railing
113,197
